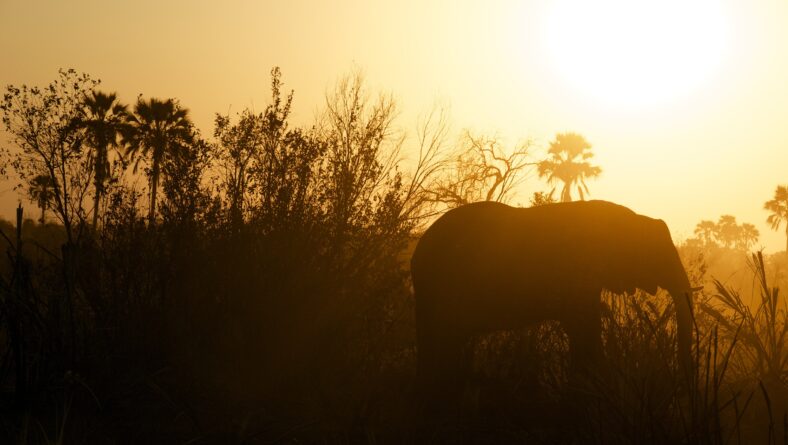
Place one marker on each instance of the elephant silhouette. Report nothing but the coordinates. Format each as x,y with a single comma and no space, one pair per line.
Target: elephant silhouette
488,266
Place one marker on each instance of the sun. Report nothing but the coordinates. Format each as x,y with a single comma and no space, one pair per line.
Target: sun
635,52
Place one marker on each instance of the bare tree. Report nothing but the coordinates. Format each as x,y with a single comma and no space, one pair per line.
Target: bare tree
481,171
363,150
432,130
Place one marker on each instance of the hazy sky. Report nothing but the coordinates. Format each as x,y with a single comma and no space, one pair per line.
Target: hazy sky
685,103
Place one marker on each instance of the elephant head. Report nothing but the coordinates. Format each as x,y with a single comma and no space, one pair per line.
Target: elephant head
646,259
488,266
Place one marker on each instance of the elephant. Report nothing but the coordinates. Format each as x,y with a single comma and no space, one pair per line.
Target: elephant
487,266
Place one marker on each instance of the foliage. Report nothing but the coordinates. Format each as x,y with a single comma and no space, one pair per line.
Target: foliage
40,122
541,198
269,300
569,163
778,206
726,233
158,129
759,325
103,119
40,191
237,146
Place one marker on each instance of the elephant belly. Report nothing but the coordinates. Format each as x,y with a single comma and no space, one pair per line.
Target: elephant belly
478,303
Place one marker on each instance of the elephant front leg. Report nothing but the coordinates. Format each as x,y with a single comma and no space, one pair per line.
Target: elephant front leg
585,341
585,354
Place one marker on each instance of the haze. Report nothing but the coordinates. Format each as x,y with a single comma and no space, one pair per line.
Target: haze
715,144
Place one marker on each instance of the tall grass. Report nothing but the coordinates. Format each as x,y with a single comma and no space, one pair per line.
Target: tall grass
176,364
637,394
760,324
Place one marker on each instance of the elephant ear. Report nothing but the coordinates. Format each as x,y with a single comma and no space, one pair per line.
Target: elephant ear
669,258
630,254
676,282
648,253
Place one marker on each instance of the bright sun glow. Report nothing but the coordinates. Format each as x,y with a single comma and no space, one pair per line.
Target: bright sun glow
635,53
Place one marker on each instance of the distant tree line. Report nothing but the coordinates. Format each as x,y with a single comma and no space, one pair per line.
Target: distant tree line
727,233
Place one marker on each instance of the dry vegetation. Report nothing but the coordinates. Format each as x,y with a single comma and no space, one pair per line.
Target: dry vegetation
267,301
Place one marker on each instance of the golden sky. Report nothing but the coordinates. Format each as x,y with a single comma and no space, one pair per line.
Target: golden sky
685,102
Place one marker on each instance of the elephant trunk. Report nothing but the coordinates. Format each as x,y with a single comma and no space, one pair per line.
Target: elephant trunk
681,292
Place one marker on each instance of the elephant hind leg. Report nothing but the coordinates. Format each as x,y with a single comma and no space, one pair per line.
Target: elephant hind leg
441,359
442,367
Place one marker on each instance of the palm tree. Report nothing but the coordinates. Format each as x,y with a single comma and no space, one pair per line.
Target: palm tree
705,231
568,163
103,118
727,231
779,208
157,130
41,192
749,236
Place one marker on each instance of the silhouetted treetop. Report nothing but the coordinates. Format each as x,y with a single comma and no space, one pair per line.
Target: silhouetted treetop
727,233
481,170
158,129
778,206
41,124
568,163
103,119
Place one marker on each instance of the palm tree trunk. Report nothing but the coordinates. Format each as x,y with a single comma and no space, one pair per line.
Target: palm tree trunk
96,200
154,185
97,180
566,194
